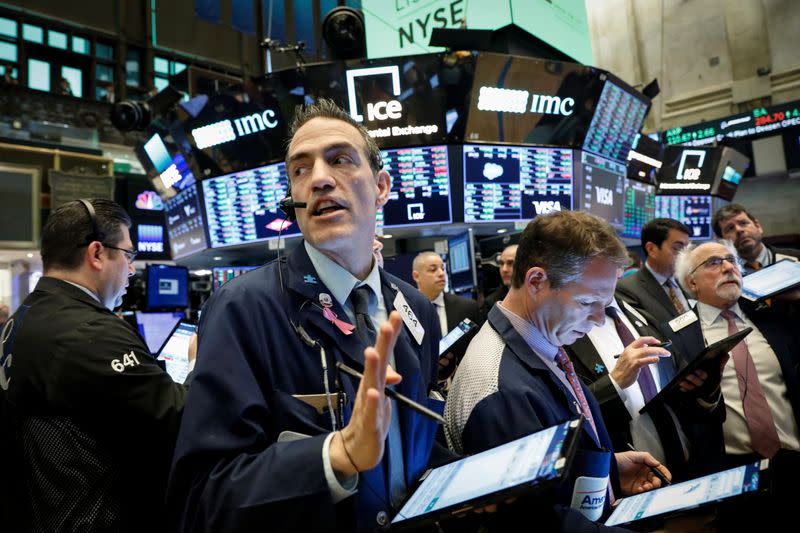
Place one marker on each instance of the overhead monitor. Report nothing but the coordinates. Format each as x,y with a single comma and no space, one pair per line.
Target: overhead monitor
504,183
167,287
618,117
694,211
640,207
185,226
146,208
732,166
157,153
420,191
601,185
525,100
688,170
645,159
222,275
461,262
243,207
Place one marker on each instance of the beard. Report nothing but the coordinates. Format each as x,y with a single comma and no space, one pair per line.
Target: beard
729,291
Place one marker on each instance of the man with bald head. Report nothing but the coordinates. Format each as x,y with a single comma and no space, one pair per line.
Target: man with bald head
759,382
429,275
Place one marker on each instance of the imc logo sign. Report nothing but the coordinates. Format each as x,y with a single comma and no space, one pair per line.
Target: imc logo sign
380,110
502,100
226,130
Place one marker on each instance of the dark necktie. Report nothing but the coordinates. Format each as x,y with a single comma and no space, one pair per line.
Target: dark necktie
645,379
672,290
760,423
359,297
564,363
754,265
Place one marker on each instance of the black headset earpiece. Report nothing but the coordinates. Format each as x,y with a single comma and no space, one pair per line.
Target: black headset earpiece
287,206
96,234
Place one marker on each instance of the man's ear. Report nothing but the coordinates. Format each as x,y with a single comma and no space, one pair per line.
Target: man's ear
650,247
536,280
415,276
94,256
384,183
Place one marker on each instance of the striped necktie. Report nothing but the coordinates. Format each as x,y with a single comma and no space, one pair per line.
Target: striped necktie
673,296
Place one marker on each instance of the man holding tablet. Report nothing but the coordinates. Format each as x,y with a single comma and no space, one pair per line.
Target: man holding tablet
517,379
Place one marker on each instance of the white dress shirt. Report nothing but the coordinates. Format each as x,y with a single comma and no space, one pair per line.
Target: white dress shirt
441,311
737,436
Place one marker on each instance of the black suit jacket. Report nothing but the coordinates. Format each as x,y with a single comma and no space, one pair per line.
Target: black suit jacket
643,291
702,428
780,332
457,309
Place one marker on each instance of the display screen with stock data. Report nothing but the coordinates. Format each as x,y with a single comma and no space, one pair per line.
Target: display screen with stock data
185,223
640,207
420,186
617,119
515,183
602,187
694,211
243,207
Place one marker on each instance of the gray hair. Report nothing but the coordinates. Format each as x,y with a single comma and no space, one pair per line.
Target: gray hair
684,263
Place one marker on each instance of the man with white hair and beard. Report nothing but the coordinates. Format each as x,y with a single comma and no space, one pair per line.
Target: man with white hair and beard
759,382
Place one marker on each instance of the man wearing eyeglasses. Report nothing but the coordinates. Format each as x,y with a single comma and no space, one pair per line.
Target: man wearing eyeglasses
759,382
88,419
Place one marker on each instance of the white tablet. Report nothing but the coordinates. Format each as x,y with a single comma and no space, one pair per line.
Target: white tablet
771,280
175,351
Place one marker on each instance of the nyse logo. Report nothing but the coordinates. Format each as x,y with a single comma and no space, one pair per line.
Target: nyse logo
381,110
604,196
543,207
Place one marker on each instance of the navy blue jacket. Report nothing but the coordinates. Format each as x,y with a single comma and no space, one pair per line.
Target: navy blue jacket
232,470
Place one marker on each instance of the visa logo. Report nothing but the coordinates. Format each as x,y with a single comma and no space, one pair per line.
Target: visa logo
545,206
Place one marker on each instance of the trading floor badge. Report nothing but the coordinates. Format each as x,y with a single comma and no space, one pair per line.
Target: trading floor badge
325,300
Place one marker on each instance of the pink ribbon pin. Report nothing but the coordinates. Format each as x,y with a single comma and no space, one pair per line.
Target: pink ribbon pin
343,326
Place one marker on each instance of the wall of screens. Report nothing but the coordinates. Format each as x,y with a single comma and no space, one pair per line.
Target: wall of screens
616,122
601,188
503,183
420,186
243,207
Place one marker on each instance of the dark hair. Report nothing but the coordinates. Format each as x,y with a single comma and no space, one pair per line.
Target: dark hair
657,230
726,212
325,108
64,234
563,243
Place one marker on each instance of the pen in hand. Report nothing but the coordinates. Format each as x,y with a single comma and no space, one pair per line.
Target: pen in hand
408,402
656,472
666,345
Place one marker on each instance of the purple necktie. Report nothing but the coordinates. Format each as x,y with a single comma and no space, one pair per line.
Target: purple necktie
645,379
760,424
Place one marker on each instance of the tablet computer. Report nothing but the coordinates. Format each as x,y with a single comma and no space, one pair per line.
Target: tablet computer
175,351
771,280
705,360
527,464
659,504
456,336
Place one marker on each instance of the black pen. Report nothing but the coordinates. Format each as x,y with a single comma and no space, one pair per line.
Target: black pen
408,402
666,345
656,472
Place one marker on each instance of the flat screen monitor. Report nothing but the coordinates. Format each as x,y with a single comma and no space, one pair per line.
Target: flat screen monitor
157,153
156,327
503,183
618,117
688,170
640,207
694,211
185,226
645,159
602,188
243,207
732,166
420,186
167,287
461,262
221,275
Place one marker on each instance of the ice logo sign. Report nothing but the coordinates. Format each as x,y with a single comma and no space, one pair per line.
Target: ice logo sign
690,165
380,110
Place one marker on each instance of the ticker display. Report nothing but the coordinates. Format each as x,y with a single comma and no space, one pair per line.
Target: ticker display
243,207
616,123
420,191
515,183
640,208
185,223
694,211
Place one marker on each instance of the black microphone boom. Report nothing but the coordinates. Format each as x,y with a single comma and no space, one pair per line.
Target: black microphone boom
287,205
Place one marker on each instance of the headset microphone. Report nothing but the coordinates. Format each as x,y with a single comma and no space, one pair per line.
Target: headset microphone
288,206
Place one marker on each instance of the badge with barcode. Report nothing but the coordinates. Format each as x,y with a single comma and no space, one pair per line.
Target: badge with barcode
410,319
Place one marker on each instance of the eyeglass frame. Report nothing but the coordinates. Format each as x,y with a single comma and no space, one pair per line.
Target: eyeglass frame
730,258
130,255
